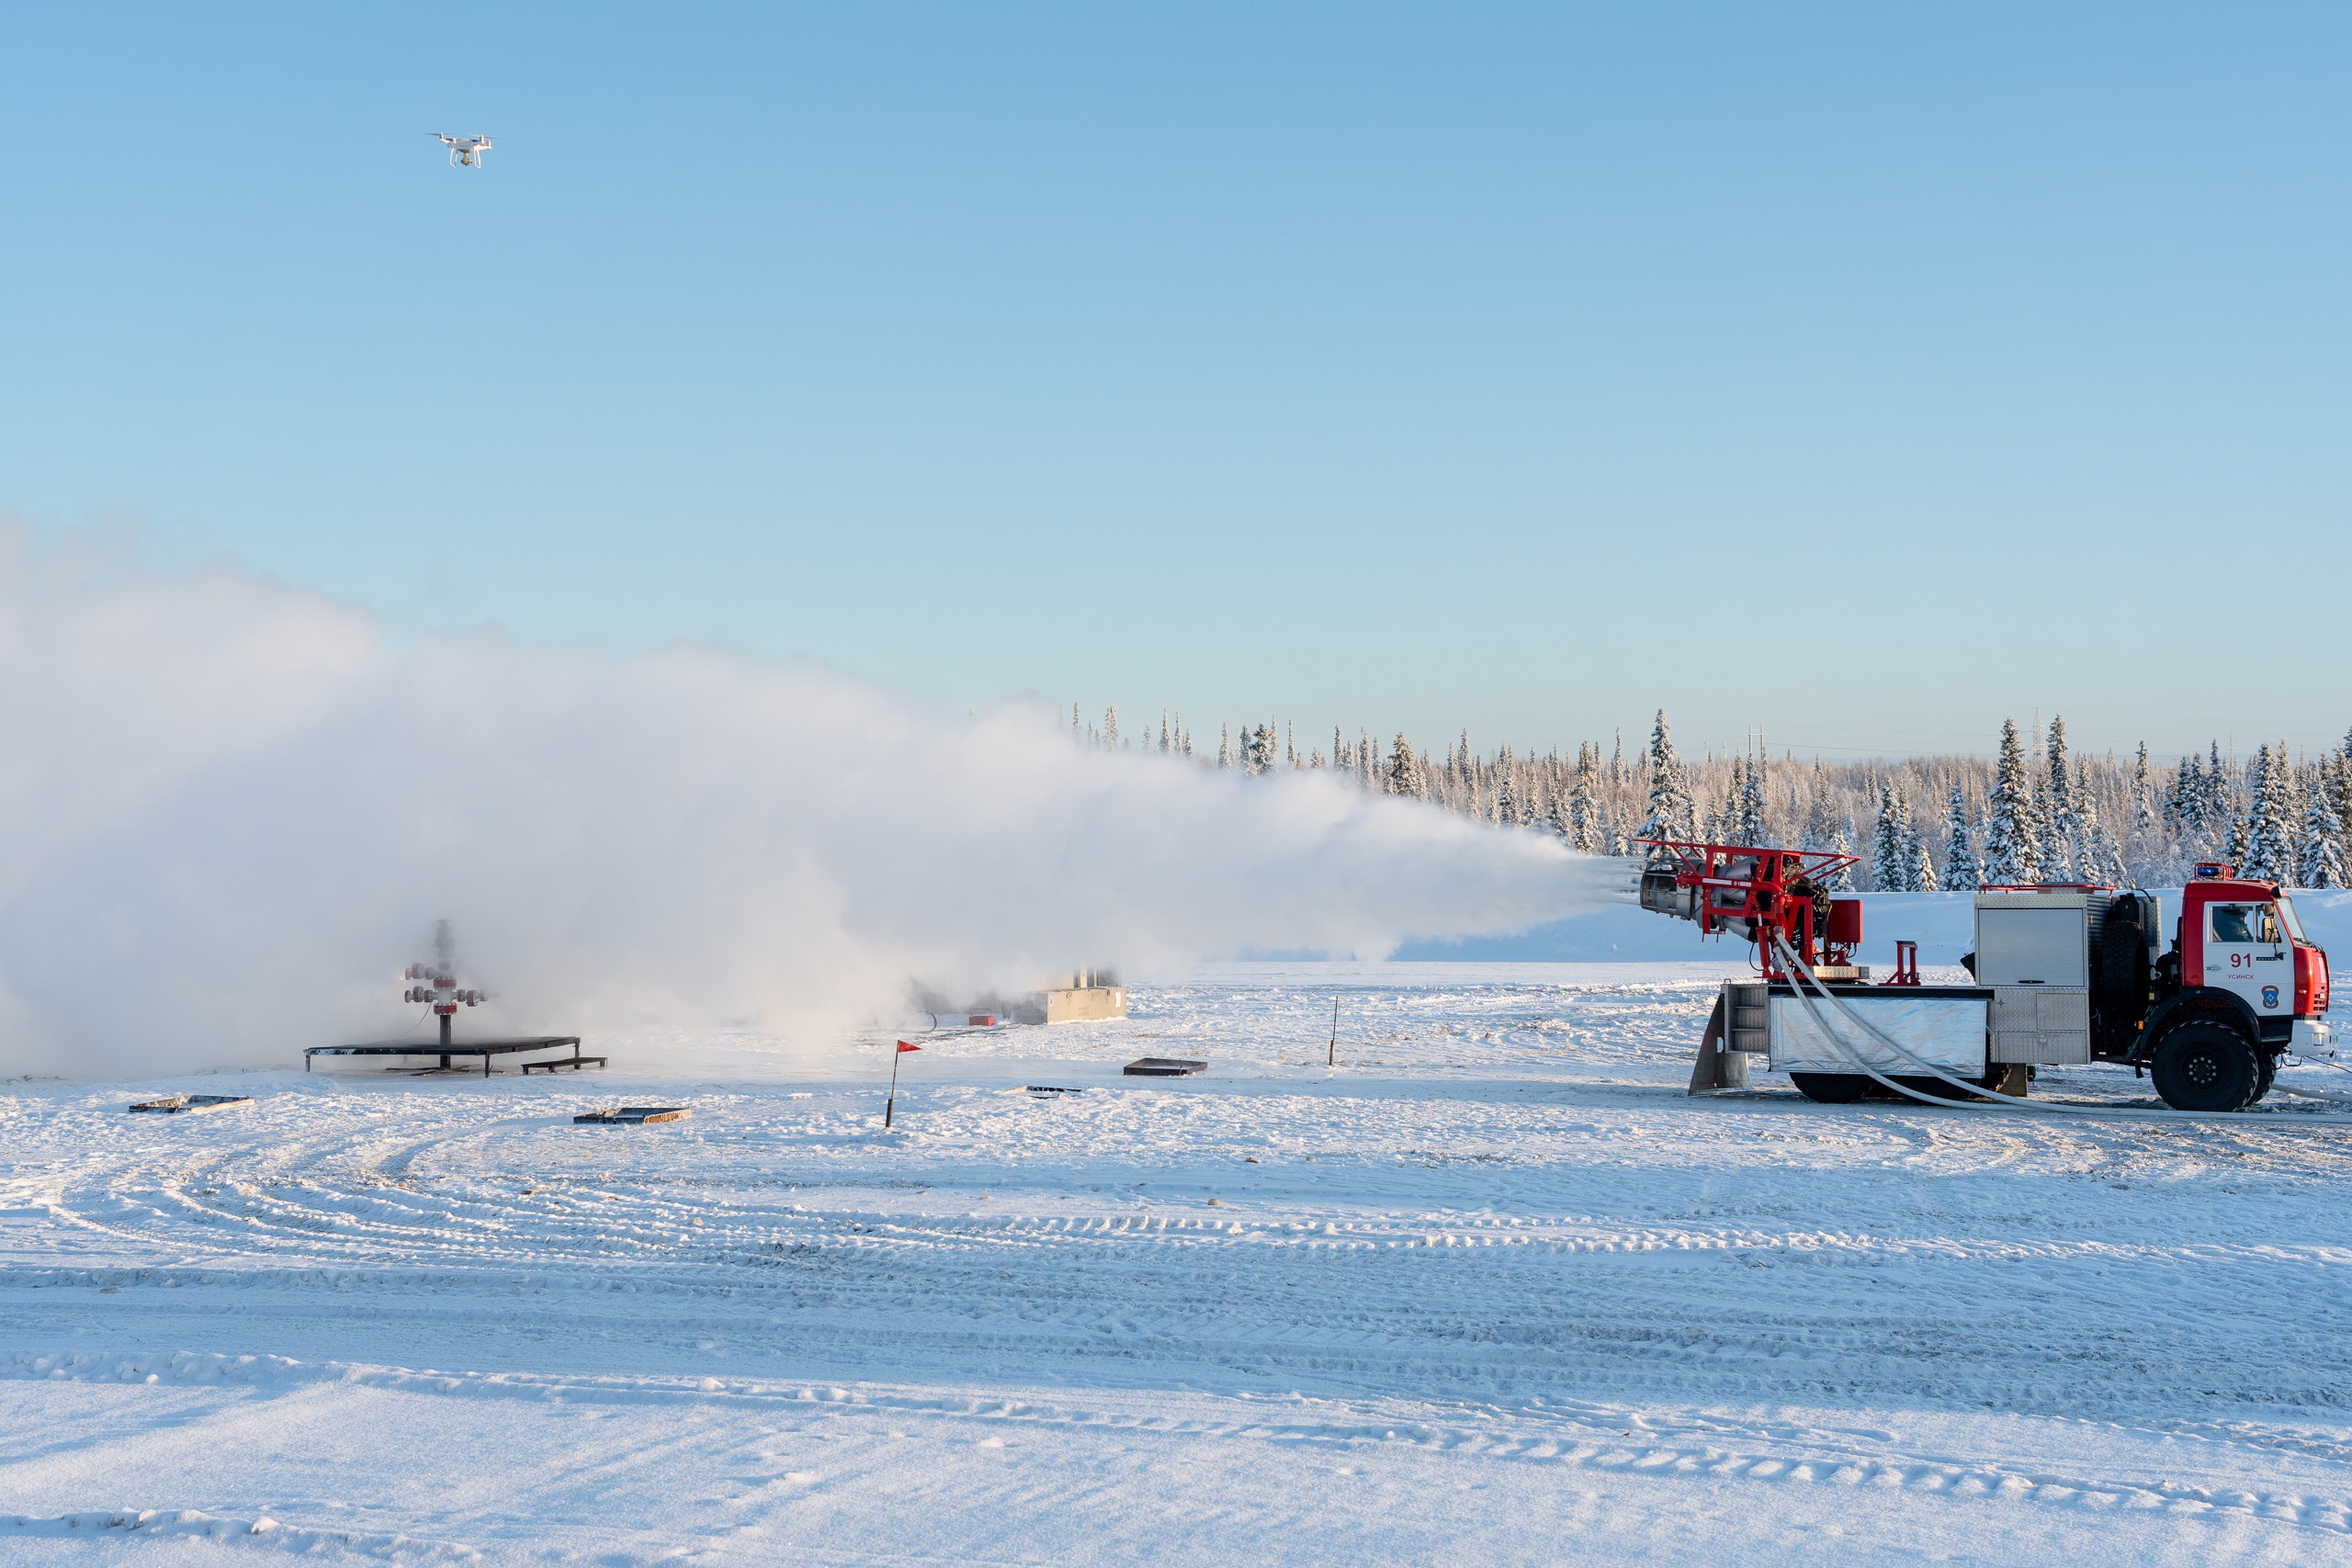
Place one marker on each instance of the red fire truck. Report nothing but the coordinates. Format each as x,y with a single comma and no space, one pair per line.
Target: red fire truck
2064,975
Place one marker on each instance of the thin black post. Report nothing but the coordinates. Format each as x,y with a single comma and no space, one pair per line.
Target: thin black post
891,1104
1332,1059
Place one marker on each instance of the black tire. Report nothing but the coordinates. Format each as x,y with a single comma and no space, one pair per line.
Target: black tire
1936,1087
2269,1076
1831,1088
2205,1065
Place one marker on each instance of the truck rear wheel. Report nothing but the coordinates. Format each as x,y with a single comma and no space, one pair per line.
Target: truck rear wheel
1831,1088
2206,1065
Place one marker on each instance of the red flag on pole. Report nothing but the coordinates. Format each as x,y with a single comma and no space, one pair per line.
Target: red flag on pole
890,1106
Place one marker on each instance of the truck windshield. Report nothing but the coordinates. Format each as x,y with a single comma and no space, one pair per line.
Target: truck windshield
2286,916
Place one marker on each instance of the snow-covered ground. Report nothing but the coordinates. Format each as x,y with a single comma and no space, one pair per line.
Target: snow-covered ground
1492,1290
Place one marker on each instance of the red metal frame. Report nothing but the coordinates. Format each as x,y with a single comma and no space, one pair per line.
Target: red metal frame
1752,891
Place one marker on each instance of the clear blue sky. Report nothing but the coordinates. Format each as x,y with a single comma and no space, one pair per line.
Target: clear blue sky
1867,373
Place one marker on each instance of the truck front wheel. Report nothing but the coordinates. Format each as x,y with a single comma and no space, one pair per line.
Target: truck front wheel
2206,1065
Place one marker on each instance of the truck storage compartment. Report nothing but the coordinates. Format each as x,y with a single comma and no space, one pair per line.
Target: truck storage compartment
1940,1025
2046,1025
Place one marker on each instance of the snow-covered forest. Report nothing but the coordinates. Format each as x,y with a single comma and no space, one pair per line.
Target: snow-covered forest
2038,811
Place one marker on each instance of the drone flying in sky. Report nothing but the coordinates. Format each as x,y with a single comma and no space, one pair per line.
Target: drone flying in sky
465,152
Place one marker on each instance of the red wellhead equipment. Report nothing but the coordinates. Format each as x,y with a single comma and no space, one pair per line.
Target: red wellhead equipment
1752,892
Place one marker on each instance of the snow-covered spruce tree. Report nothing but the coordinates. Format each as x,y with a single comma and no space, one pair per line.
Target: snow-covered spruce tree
1752,830
2337,784
1404,770
1820,820
1258,750
2322,861
2184,805
1915,847
2265,838
2287,806
1891,841
2053,819
1583,812
2220,806
2096,859
2059,784
1842,843
2010,853
1671,813
1225,745
1961,873
1506,804
2054,808
1110,726
2144,795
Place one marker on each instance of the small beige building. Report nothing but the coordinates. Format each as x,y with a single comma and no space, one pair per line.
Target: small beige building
1090,995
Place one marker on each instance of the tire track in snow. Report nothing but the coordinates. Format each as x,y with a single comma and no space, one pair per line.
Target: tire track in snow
1774,1453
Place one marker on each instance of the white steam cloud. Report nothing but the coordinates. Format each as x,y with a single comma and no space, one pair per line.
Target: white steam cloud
233,812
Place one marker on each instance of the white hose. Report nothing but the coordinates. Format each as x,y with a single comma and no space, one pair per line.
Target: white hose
1795,967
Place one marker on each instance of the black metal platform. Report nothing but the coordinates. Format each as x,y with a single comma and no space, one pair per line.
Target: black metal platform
485,1049
1163,1067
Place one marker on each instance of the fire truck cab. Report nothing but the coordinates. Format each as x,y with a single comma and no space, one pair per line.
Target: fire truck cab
2241,987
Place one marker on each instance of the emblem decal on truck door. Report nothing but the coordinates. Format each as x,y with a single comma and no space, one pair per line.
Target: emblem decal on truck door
2270,996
